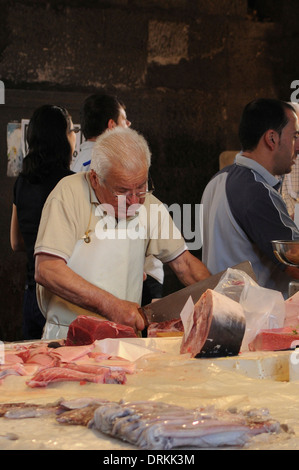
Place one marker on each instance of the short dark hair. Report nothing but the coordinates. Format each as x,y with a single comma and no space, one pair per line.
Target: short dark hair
96,112
258,117
48,144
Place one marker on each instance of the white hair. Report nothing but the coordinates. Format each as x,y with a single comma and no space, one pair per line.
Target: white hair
121,147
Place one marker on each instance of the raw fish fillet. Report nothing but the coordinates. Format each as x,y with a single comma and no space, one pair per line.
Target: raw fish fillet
12,369
63,374
218,327
82,360
292,311
277,339
71,353
159,426
87,329
166,328
112,375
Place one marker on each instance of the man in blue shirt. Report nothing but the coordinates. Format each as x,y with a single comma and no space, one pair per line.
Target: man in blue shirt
242,208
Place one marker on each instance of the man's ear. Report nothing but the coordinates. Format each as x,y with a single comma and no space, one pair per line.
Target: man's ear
271,138
111,124
93,179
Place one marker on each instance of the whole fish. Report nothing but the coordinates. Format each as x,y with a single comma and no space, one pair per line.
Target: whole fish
160,426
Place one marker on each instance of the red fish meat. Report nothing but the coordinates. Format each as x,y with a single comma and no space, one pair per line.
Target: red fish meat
218,327
87,329
166,328
292,311
62,374
277,339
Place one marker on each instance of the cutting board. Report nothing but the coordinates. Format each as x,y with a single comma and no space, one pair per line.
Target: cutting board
170,307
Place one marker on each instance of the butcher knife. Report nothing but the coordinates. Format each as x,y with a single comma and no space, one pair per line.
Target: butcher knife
169,307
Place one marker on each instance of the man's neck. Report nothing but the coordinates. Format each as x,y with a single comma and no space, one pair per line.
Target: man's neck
261,158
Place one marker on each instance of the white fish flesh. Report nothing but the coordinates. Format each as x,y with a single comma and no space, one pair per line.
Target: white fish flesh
160,426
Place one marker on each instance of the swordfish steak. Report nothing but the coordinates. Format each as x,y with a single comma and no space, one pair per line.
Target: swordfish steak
87,329
218,327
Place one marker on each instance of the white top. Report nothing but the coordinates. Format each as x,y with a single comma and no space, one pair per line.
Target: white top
82,161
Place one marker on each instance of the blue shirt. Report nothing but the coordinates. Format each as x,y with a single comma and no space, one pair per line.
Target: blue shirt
242,213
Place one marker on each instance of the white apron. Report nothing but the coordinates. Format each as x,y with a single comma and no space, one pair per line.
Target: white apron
111,259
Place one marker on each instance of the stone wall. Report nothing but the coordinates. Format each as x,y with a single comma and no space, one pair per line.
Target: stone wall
184,68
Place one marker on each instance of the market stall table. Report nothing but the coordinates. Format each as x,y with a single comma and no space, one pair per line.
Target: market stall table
250,380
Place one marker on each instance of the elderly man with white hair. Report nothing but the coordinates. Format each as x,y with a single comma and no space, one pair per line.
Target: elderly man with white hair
95,231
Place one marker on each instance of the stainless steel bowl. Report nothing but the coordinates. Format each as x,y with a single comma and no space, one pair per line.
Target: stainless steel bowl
287,252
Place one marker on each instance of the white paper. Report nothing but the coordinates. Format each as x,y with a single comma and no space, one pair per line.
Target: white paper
129,348
187,316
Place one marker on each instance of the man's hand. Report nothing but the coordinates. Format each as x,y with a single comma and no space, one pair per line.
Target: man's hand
54,274
126,313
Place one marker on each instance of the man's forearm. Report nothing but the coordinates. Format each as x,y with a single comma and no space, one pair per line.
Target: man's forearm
189,269
53,273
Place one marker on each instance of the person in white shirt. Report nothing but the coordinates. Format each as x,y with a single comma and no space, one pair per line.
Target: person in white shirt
99,113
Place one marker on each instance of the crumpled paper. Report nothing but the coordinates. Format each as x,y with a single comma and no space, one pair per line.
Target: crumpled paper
134,348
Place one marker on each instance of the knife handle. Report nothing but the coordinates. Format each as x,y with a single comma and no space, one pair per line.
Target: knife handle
144,317
146,323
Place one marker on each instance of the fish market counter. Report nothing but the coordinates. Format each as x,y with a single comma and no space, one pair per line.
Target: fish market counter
252,380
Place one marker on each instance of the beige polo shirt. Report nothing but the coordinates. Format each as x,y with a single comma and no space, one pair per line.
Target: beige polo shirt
72,209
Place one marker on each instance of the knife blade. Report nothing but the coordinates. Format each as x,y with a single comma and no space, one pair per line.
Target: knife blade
169,307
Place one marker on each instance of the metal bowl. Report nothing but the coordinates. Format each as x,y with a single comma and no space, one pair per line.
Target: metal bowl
287,252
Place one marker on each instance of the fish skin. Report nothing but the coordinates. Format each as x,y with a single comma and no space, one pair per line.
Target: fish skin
159,426
154,425
78,403
218,327
4,407
28,410
78,416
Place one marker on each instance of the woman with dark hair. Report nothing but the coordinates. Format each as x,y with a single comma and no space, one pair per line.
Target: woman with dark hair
51,142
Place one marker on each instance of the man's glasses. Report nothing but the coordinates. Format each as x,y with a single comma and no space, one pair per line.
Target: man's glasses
128,194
